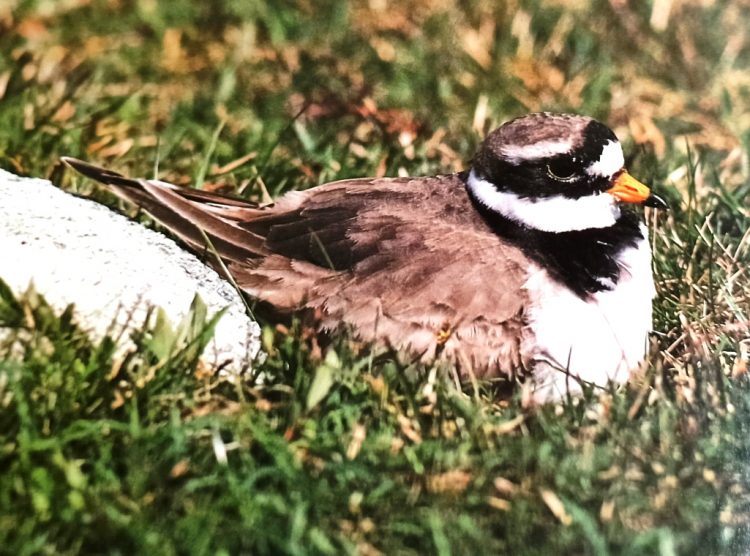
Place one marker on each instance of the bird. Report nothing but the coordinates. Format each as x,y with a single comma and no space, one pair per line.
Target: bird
531,265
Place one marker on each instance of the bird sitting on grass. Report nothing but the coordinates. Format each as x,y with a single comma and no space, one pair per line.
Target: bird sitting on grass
526,265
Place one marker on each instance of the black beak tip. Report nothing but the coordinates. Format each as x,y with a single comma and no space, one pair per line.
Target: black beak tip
656,202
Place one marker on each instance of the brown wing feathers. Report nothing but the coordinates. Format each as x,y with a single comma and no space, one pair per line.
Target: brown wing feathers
315,235
406,262
185,213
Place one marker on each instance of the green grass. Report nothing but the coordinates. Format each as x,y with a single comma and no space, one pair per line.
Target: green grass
348,451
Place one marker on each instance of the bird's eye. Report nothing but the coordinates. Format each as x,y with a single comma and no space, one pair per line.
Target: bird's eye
562,170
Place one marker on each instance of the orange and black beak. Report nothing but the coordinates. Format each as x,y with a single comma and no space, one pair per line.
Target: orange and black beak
627,189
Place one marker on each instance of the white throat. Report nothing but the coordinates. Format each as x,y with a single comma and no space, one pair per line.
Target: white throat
550,214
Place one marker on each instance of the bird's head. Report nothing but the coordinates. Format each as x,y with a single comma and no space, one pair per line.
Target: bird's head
555,173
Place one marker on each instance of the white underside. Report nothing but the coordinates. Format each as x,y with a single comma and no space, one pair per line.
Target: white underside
595,341
550,214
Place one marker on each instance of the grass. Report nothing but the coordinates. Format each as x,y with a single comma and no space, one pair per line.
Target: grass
341,451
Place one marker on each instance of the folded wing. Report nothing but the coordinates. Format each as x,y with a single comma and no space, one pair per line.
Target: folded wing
407,262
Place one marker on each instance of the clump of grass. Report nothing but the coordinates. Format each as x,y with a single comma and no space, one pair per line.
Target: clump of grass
345,451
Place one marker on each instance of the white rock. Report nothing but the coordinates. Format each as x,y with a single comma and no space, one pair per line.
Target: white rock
112,269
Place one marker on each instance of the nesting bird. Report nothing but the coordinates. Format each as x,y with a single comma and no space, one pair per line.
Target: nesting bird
527,265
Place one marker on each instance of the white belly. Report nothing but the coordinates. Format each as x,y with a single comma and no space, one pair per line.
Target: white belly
595,341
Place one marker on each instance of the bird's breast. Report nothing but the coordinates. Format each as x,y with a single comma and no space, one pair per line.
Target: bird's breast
597,339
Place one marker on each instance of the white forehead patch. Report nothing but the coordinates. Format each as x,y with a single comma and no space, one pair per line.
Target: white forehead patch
610,162
535,151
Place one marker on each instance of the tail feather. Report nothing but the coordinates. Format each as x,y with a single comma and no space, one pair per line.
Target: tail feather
190,214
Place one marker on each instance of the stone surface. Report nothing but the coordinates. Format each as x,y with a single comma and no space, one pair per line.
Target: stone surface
112,269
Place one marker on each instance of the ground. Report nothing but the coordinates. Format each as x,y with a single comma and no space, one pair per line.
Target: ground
343,450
